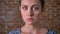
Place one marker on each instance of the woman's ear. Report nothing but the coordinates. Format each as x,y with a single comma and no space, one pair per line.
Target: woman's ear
43,9
19,7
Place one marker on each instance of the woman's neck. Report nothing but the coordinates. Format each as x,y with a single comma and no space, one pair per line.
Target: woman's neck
27,28
30,29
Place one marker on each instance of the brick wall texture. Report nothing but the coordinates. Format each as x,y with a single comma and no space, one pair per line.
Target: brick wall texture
10,15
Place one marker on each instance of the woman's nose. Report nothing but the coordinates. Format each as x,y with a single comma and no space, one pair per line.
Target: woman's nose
30,12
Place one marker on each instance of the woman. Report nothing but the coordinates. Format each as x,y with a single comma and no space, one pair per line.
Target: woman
31,10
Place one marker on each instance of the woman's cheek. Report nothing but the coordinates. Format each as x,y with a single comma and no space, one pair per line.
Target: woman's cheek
36,13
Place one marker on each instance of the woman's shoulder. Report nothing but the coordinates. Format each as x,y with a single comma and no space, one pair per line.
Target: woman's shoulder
16,31
51,32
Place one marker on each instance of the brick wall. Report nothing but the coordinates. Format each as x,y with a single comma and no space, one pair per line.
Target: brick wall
10,17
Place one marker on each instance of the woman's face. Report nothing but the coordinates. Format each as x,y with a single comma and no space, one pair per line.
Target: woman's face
30,10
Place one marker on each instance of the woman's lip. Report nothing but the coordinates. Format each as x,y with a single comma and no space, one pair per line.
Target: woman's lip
29,19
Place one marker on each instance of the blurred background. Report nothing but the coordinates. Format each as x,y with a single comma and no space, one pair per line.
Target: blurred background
10,17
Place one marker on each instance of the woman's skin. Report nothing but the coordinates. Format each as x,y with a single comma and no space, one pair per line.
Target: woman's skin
31,11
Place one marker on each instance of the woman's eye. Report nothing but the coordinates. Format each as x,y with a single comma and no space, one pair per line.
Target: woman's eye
25,8
35,8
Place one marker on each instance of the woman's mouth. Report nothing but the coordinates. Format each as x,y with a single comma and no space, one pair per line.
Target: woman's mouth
29,19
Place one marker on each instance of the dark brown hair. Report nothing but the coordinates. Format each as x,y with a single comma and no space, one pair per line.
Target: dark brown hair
42,3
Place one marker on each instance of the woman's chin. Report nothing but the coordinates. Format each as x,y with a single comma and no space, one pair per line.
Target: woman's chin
29,23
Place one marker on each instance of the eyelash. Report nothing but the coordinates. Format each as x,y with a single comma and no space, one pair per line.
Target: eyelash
33,8
25,8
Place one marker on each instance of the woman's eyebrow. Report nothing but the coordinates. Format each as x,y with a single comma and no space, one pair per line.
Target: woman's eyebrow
35,5
23,5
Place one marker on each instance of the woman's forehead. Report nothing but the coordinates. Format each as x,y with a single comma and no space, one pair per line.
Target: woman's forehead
30,2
